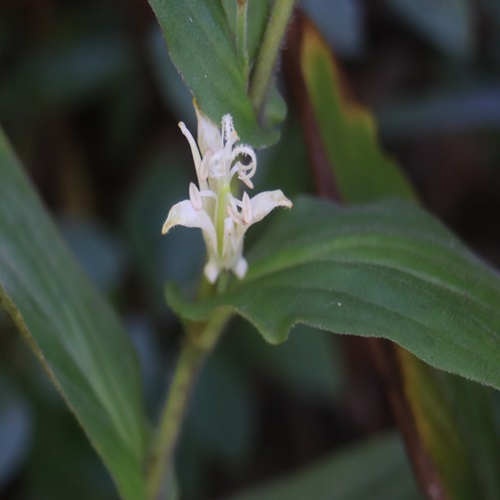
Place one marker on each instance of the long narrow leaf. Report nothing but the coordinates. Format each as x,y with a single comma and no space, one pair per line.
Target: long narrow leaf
70,328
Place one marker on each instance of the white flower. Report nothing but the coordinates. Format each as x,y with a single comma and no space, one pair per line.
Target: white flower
212,206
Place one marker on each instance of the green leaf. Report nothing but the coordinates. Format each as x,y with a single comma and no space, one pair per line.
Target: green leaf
71,329
451,416
202,47
377,469
347,130
383,270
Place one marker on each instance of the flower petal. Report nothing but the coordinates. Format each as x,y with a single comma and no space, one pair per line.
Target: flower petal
209,136
192,144
241,267
263,203
184,214
211,271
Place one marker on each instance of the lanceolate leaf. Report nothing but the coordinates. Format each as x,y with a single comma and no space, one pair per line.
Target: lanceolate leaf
384,270
202,47
347,129
70,328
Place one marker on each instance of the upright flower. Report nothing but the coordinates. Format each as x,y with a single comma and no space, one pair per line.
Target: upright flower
212,205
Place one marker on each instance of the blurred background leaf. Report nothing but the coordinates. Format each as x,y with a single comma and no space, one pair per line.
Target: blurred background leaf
341,22
446,23
376,469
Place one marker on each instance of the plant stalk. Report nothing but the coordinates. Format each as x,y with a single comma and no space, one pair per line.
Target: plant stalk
241,33
199,341
268,52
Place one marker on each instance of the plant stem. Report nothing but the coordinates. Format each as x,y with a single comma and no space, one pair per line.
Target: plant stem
199,341
241,33
268,51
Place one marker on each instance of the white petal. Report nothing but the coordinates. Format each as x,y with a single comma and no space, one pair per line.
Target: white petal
209,136
241,267
184,214
211,271
263,203
192,144
246,209
195,196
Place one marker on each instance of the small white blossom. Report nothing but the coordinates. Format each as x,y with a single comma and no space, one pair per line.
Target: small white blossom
212,206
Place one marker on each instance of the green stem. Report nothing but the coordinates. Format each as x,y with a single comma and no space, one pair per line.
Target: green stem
268,51
241,33
199,341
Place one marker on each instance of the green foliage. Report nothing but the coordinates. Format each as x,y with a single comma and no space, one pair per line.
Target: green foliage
70,328
385,270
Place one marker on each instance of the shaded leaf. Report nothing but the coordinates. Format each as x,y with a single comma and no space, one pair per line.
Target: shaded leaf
377,469
70,328
448,24
67,74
